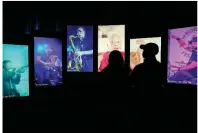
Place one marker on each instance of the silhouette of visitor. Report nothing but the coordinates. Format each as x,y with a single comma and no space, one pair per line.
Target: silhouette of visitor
147,81
149,73
115,77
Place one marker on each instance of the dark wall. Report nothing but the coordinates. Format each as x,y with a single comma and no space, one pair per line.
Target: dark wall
76,102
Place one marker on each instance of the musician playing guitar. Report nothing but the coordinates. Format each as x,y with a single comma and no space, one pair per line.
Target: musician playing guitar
43,59
189,71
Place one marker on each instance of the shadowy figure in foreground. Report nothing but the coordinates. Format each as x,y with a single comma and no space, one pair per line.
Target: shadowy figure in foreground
115,75
147,80
114,94
149,73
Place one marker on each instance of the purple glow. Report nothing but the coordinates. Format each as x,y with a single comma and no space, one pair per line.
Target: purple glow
182,56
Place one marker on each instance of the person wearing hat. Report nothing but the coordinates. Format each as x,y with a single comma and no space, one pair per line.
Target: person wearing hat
148,73
188,72
147,80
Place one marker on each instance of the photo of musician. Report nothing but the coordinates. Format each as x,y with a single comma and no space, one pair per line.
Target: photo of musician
110,38
80,48
48,61
15,72
185,70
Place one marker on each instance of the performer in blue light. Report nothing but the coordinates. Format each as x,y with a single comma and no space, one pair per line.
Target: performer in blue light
80,47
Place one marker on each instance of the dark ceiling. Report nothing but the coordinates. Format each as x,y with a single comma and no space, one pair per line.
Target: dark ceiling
16,15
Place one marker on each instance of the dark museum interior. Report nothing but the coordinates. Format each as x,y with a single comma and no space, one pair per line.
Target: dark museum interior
91,100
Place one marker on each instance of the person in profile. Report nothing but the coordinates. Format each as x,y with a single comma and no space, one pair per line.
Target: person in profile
149,72
147,80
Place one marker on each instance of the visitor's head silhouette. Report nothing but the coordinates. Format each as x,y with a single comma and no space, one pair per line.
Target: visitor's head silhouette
149,50
115,58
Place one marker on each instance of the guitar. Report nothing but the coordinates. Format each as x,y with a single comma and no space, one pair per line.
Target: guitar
54,63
